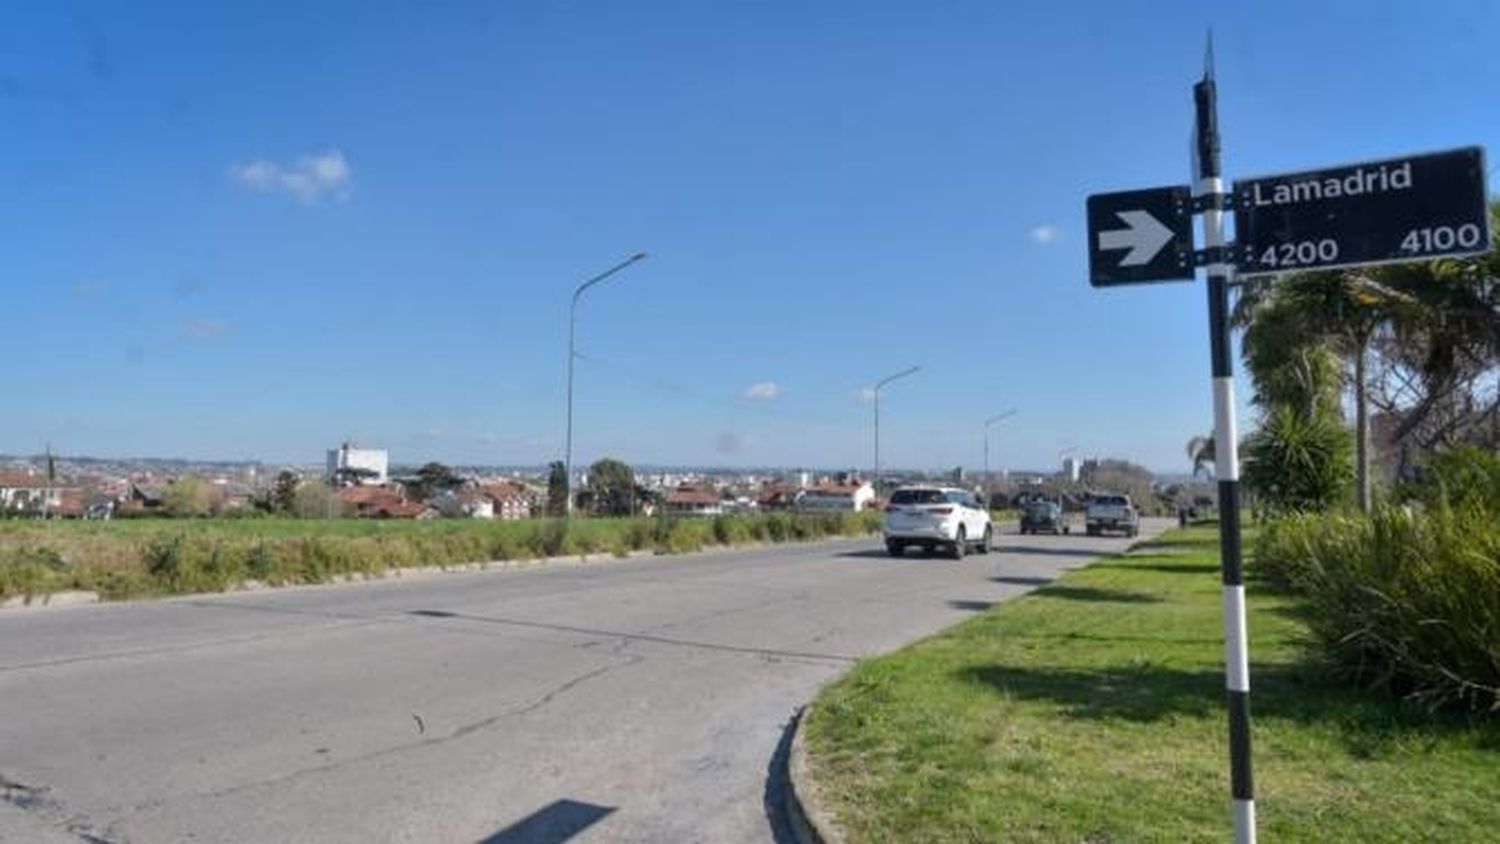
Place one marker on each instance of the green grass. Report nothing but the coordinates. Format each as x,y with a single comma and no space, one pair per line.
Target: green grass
1092,711
142,557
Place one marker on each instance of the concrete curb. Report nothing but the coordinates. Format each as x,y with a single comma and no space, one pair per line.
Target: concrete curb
811,821
72,598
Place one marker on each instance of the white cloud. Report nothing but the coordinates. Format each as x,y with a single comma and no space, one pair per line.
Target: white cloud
205,328
761,390
867,394
1044,234
309,178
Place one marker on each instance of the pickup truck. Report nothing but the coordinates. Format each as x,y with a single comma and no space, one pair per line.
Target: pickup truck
1111,513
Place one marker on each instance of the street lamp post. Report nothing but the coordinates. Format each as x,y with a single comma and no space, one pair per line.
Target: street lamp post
987,423
572,322
878,385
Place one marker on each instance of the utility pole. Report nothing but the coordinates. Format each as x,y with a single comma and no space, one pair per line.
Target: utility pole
1209,195
878,385
572,353
987,423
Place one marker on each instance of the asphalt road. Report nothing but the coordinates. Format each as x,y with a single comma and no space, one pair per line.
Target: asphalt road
638,700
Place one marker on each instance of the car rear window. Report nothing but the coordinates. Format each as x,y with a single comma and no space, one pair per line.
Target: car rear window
1113,501
918,496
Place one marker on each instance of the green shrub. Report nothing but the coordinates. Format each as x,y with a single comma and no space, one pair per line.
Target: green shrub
33,571
1298,462
638,534
1402,599
1465,476
551,538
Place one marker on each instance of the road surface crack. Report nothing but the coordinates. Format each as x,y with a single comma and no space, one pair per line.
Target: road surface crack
40,803
770,653
461,732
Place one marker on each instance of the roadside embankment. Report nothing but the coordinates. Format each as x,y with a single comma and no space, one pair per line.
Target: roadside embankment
140,558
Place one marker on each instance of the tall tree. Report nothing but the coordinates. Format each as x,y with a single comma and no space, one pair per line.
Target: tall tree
1301,329
557,488
187,496
284,493
612,485
1202,452
315,499
432,479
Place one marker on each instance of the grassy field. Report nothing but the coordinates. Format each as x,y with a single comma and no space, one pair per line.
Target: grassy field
1092,711
137,557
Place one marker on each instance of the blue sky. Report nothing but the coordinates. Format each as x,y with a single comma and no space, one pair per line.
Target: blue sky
251,230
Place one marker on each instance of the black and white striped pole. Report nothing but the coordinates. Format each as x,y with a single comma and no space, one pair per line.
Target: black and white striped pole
1209,197
1417,207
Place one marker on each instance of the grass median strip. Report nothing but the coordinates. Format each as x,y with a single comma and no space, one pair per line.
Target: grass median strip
142,557
1093,711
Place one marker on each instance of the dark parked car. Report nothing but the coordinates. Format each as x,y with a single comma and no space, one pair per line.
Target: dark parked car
1040,515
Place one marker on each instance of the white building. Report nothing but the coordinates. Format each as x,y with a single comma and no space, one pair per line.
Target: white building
348,461
837,496
1070,468
28,492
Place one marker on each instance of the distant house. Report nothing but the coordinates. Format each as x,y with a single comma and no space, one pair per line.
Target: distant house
71,504
402,510
232,495
29,493
689,500
511,499
374,501
849,496
778,496
466,503
143,498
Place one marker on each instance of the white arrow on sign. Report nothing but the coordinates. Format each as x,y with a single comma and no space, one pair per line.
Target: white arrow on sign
1144,237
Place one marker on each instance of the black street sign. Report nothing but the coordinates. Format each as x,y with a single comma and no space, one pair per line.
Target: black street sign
1403,209
1140,235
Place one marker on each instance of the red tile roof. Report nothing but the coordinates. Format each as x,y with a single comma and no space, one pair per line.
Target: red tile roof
25,480
777,493
692,495
399,510
362,496
507,491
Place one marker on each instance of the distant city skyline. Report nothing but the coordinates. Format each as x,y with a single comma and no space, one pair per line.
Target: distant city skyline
641,468
230,237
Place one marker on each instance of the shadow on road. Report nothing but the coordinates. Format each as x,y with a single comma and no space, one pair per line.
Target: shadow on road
774,797
1045,551
882,554
554,823
1021,580
866,554
1165,568
1095,594
975,606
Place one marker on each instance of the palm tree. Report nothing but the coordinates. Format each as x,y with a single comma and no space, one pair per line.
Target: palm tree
1297,330
1201,451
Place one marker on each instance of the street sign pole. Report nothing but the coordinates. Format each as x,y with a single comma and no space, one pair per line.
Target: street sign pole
1209,191
1413,208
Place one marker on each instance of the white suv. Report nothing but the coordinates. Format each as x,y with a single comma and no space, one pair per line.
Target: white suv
933,517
